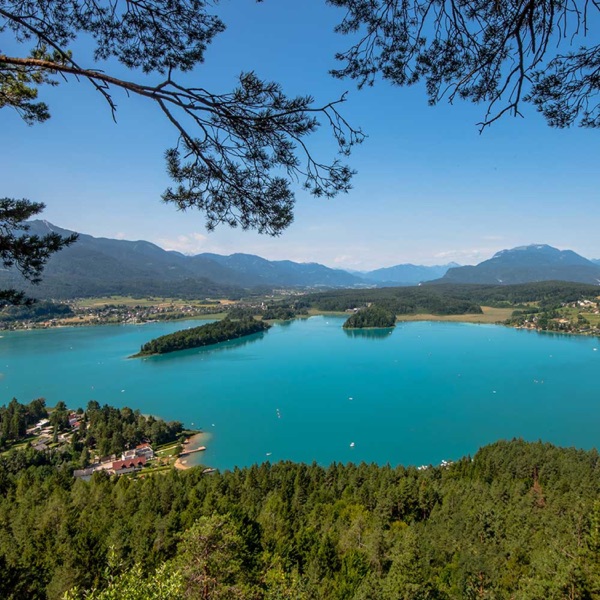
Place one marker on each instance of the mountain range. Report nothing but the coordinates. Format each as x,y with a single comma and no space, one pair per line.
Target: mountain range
524,264
103,266
406,274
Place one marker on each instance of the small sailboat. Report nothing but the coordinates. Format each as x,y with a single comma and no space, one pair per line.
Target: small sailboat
351,444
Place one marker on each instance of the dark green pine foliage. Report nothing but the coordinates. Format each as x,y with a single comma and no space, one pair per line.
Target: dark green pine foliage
370,317
519,520
41,310
18,248
15,418
205,335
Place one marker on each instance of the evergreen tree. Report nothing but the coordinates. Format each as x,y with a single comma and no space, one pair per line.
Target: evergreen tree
27,253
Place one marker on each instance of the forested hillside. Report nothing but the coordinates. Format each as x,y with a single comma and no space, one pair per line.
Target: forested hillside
519,520
448,299
400,301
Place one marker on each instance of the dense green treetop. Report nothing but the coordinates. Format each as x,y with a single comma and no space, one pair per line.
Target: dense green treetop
369,317
519,520
15,418
205,335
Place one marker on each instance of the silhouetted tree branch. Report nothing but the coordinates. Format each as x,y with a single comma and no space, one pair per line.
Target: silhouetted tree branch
237,153
499,53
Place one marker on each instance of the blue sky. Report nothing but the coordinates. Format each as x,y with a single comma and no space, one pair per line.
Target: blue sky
430,189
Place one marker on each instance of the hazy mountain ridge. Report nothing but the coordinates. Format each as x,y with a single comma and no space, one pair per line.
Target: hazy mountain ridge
407,274
104,266
285,272
537,262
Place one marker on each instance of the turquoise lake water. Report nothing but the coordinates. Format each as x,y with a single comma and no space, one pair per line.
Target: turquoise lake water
307,390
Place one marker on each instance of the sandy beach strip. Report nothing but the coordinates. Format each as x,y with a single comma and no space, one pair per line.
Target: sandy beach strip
181,465
192,443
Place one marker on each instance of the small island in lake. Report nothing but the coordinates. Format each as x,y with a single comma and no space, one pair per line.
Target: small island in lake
371,317
205,335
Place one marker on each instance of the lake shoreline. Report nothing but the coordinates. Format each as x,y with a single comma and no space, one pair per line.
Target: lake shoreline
192,443
431,391
474,319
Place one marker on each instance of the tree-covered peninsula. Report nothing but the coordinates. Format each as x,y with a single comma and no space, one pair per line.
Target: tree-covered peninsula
205,335
371,317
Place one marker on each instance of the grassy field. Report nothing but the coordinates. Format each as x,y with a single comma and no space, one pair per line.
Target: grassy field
147,301
593,319
490,315
572,313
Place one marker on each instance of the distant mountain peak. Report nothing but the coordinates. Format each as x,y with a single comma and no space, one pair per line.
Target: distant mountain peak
525,264
406,274
529,248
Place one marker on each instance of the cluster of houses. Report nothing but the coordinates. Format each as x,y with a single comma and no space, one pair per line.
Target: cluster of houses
129,462
590,305
141,314
44,430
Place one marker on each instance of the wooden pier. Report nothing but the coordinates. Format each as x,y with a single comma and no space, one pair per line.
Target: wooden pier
188,452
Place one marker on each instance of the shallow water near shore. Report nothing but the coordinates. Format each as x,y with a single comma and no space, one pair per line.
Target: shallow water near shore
308,391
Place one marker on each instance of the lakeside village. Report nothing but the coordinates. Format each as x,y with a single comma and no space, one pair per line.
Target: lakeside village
46,314
100,439
581,317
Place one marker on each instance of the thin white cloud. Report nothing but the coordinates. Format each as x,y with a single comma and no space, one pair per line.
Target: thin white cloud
345,259
470,255
192,243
